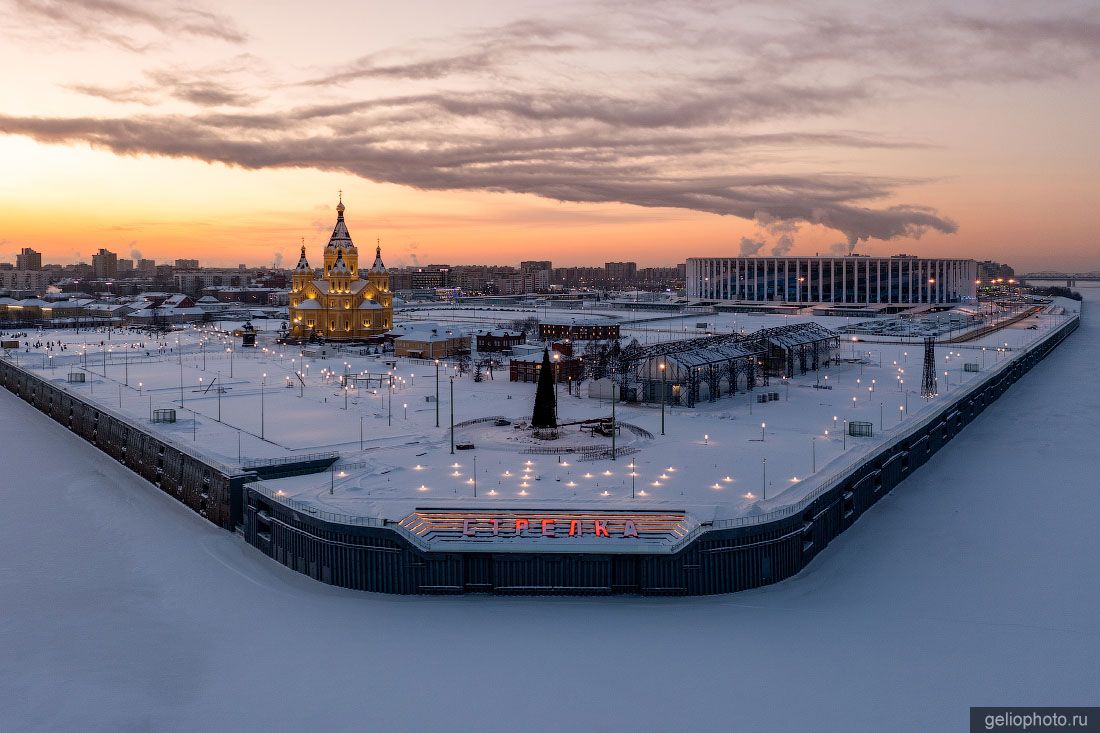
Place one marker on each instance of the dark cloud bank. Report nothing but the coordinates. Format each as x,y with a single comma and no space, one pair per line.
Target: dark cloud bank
674,137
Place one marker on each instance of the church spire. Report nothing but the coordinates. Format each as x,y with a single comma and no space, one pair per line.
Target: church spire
303,263
341,238
378,265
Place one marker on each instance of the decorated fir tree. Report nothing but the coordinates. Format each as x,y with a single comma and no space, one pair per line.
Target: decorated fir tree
545,414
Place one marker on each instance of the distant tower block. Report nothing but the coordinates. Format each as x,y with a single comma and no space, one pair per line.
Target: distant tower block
928,386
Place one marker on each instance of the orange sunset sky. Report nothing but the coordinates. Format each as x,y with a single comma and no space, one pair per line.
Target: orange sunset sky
581,132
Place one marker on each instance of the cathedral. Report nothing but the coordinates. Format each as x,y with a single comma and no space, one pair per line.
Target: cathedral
340,306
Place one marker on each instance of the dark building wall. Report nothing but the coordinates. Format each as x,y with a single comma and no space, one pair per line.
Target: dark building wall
495,342
193,482
578,332
565,370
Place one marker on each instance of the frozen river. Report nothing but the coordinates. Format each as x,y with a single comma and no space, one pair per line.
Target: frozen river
973,583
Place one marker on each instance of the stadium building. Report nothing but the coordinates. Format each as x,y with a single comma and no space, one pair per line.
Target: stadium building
901,279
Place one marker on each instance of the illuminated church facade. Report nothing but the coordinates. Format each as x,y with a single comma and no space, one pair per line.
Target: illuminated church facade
340,305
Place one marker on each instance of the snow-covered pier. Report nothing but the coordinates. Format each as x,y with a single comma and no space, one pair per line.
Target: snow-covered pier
724,495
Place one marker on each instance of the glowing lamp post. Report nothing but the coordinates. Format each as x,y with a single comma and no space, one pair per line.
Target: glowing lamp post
764,481
664,392
263,381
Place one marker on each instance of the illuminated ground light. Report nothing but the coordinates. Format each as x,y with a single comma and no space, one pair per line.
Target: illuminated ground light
524,485
663,477
608,473
793,479
492,492
655,483
588,475
506,474
642,493
728,479
670,469
456,465
470,481
528,463
523,492
456,473
750,495
418,467
716,486
571,484
605,493
422,488
565,464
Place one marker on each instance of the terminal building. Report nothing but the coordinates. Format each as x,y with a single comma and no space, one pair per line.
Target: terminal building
901,279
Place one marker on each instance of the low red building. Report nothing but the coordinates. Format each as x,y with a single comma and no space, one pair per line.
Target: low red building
498,340
526,368
580,329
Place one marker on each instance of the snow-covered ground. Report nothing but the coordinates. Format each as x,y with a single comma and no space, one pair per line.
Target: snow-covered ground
719,460
973,583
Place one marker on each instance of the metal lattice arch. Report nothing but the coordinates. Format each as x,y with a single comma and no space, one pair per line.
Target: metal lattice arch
796,348
705,369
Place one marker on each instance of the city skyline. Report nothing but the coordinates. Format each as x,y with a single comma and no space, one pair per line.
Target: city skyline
645,135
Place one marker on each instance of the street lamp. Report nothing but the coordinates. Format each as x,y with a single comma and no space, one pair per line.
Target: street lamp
764,482
452,413
263,380
664,394
437,393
